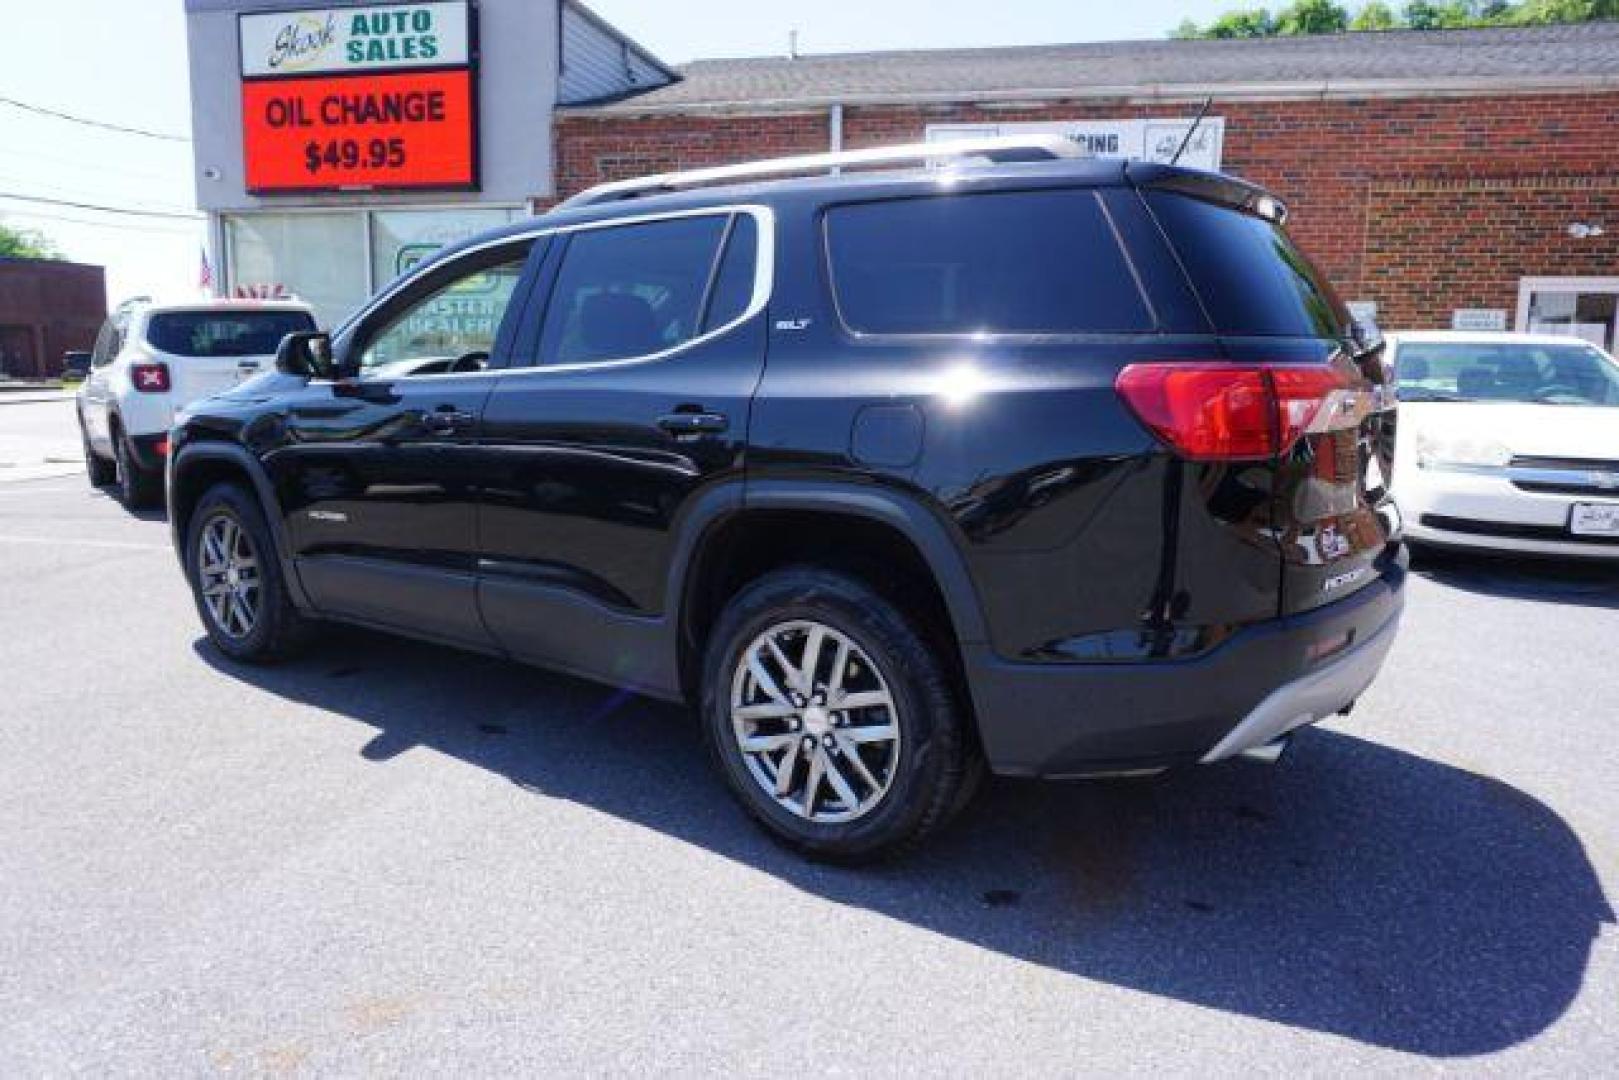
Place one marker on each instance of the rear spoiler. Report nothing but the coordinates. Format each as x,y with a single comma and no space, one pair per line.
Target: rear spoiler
1210,187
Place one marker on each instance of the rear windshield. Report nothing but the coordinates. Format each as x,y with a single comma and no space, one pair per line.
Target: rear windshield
223,333
1572,374
1031,262
1252,280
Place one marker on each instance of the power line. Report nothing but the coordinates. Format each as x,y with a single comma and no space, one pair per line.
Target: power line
56,114
99,207
87,193
99,167
122,226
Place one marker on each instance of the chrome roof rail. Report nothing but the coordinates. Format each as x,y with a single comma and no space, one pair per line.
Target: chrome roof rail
999,148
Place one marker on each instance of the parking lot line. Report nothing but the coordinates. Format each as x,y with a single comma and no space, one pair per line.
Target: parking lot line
57,541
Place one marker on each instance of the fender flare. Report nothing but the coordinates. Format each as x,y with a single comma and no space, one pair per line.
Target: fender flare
906,514
194,452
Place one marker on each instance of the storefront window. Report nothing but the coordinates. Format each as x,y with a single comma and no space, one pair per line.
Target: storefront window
319,258
402,238
1586,308
322,257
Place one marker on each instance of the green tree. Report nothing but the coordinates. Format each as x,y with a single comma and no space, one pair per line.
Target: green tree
1242,23
1534,12
1312,17
1422,15
1328,17
1374,16
25,244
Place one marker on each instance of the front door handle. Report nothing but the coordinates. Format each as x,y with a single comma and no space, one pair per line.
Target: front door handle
693,423
445,420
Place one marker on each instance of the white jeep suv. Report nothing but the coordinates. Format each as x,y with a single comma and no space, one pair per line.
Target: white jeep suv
152,359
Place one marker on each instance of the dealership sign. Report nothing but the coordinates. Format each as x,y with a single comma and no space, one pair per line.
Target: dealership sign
374,97
354,39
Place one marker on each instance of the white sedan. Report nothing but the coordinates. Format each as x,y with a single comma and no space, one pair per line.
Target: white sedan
1507,442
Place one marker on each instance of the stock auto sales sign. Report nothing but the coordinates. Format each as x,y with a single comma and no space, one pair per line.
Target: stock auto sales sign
356,98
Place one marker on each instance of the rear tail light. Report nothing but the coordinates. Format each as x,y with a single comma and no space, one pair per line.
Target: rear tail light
1229,412
150,378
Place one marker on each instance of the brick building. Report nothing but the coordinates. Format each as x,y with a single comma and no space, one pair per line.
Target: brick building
47,307
1451,176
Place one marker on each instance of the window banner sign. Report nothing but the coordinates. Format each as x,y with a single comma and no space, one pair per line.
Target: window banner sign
1138,140
382,97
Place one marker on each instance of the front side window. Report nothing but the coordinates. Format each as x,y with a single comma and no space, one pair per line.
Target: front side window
454,326
1572,374
1029,262
223,333
629,291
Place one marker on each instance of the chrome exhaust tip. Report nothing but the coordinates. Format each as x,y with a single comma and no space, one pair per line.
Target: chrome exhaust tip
1268,754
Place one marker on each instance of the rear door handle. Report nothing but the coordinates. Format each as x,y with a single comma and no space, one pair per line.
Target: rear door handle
693,423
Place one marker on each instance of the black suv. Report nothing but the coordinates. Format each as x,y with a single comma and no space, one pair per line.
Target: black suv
1065,468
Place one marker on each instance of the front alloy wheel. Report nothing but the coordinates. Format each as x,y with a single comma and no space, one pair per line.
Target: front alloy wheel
236,579
815,722
228,573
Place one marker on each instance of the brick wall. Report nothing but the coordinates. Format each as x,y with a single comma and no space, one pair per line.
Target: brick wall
1422,205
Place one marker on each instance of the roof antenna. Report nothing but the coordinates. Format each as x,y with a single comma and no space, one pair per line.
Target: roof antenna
792,44
1187,141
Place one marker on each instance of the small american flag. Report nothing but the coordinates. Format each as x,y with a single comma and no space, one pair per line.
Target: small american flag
205,274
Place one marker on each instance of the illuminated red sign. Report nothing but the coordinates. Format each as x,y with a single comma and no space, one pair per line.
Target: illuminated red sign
405,129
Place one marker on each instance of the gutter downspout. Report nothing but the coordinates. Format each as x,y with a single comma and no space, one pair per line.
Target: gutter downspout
835,123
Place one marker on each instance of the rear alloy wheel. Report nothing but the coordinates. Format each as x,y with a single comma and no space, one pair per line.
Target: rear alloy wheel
230,559
832,717
137,488
101,471
815,722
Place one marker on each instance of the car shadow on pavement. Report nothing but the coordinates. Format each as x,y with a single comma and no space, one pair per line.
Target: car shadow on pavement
1355,889
1563,581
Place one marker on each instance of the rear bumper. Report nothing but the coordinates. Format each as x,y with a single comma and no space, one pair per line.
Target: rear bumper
150,451
1070,720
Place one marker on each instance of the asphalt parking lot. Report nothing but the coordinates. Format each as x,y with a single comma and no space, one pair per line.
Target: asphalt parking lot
390,857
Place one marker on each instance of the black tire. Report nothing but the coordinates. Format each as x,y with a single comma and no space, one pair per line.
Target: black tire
278,630
138,488
936,756
101,471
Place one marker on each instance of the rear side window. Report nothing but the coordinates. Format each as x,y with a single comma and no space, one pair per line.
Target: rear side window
631,290
1034,262
223,333
1252,279
733,284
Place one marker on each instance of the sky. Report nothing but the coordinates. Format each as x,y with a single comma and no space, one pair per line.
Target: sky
123,62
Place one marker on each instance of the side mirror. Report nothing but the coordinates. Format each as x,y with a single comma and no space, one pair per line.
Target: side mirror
307,353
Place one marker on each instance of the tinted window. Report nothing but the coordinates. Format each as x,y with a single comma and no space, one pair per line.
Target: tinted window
1573,374
733,286
630,290
1024,262
223,333
1250,276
